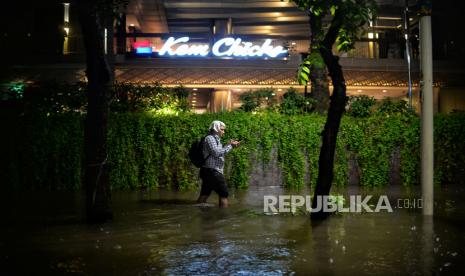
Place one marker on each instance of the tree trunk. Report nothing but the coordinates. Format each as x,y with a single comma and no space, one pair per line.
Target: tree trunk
318,74
320,88
331,129
99,76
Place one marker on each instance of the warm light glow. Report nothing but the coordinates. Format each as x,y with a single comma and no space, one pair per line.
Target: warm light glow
370,35
66,12
293,43
389,18
359,90
67,31
165,111
195,89
280,89
282,18
384,90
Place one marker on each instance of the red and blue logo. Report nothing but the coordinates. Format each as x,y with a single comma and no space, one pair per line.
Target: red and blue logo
143,47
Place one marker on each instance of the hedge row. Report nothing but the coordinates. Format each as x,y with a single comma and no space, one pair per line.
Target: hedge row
149,151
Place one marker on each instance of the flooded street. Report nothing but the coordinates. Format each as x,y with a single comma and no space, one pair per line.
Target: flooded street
161,232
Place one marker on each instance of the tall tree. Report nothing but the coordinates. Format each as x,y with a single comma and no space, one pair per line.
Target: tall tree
333,22
94,16
317,68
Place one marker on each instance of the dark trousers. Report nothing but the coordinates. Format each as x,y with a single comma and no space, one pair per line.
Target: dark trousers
213,180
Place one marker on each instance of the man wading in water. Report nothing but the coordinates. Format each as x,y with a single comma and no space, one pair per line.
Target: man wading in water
211,172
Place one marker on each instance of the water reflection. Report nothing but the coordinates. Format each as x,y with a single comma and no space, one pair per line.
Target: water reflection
164,233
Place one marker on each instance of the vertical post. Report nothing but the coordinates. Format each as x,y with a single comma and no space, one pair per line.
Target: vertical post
407,53
65,48
105,41
426,55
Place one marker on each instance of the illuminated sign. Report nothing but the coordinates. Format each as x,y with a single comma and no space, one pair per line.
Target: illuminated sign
144,50
142,47
226,47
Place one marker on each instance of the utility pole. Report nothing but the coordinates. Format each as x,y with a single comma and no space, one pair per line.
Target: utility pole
407,53
427,148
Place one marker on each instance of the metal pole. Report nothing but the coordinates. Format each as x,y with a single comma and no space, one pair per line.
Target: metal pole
407,54
427,153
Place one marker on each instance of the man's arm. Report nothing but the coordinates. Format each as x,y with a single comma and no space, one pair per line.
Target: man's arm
214,149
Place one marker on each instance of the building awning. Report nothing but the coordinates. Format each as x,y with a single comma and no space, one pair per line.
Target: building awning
227,77
269,77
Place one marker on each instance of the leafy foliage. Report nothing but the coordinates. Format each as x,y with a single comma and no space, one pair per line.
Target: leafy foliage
348,17
360,106
294,103
364,106
313,60
258,99
53,98
139,98
389,106
449,157
291,103
57,98
149,150
14,91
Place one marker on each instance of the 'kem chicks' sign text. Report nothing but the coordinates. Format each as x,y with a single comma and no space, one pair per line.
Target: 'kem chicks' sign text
226,47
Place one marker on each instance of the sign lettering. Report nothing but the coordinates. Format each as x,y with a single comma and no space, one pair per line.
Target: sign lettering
226,47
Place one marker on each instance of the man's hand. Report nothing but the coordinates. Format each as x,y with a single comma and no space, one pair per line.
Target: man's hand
234,143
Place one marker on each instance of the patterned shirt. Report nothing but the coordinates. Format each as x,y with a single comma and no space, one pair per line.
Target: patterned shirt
215,152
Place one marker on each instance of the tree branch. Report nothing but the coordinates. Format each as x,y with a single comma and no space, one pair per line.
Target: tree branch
333,31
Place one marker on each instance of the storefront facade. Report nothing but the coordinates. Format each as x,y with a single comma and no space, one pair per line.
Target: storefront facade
219,50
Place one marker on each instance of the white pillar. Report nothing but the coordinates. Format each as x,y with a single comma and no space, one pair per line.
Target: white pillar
66,28
427,149
220,101
105,41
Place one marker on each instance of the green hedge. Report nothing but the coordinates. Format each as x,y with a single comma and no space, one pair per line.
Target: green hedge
148,150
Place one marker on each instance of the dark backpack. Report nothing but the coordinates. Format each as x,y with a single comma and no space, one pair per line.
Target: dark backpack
196,153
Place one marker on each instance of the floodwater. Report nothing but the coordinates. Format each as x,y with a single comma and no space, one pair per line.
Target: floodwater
163,233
